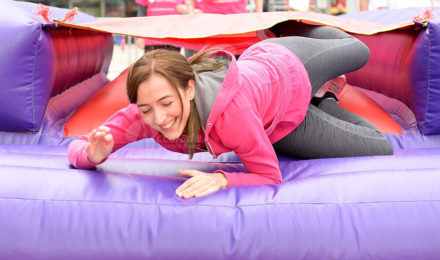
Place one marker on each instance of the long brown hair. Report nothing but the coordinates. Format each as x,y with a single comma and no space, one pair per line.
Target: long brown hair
178,71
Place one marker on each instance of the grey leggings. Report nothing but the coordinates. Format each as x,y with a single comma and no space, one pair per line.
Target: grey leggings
328,130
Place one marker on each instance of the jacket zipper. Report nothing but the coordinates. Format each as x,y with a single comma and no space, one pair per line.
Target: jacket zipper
210,149
208,146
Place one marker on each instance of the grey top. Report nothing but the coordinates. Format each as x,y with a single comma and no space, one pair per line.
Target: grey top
207,86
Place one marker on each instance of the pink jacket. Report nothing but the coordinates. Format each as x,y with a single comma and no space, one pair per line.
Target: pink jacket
263,97
221,6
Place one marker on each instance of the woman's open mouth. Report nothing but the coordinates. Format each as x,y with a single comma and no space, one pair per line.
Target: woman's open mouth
169,125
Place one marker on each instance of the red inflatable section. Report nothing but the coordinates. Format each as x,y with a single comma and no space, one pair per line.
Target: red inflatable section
97,109
112,97
358,103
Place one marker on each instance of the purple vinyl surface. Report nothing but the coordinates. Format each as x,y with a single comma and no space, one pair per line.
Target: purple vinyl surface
40,61
352,208
374,207
407,63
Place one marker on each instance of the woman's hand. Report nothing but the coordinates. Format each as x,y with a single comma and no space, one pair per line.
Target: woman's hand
200,184
140,43
100,145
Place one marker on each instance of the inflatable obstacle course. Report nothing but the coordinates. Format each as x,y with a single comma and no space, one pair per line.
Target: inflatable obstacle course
337,208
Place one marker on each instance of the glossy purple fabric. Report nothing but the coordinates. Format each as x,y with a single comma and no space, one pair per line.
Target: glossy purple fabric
33,53
25,47
352,208
426,79
375,207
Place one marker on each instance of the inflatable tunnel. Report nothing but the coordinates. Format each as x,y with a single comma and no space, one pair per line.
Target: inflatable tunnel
53,88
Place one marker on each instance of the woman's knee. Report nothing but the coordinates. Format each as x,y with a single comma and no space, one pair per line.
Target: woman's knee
364,53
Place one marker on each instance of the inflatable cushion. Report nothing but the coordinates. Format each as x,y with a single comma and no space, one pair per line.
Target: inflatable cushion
40,60
372,207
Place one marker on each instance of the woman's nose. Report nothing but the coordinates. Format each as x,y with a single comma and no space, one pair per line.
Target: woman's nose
159,117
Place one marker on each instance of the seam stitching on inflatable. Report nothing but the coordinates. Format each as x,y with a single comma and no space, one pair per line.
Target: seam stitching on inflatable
33,79
429,80
231,207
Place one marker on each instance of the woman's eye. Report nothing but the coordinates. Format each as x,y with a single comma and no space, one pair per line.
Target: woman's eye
167,104
146,111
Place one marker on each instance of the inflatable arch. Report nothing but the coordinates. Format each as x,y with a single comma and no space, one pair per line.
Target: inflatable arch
341,208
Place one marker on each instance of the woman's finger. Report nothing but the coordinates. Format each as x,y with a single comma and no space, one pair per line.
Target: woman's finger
196,192
99,135
195,187
104,129
208,191
108,138
88,148
190,173
188,183
92,135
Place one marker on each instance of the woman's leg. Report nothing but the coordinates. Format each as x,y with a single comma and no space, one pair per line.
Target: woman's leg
326,52
329,130
322,135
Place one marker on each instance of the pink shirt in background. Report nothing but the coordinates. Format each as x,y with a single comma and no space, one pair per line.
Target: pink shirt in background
160,7
221,6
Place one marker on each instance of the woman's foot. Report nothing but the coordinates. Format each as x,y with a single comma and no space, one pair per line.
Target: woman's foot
331,89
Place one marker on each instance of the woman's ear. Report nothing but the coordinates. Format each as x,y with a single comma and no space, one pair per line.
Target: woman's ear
190,90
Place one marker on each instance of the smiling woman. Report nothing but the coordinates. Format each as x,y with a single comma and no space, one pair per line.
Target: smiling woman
163,89
164,107
273,100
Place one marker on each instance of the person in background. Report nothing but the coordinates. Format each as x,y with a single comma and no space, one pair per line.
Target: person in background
155,8
334,7
218,6
215,7
299,5
396,4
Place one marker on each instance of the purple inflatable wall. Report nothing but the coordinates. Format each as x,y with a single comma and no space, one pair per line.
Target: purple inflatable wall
404,64
32,68
373,207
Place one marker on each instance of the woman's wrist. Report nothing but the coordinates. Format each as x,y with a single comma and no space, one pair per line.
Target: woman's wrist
221,180
93,161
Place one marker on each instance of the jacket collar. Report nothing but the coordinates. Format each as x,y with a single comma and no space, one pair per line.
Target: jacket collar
207,86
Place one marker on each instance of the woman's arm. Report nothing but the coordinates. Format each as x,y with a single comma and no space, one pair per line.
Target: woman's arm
251,144
123,127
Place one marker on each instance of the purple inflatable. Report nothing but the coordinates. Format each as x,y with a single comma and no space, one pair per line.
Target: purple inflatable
39,62
374,207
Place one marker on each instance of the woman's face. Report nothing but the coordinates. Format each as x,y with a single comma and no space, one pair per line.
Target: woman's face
161,107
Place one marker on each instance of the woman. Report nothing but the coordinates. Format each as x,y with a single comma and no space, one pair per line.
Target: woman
257,106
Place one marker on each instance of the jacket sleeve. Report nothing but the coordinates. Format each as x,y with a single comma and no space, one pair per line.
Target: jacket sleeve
126,126
252,145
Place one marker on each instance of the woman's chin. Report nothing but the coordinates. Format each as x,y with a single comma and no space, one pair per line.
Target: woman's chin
172,135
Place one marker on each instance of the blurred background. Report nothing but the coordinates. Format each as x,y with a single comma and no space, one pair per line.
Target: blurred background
128,8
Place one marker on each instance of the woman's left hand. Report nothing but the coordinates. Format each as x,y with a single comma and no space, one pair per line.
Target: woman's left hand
200,184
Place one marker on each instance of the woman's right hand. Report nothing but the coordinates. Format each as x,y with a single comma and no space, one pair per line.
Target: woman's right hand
100,145
140,43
